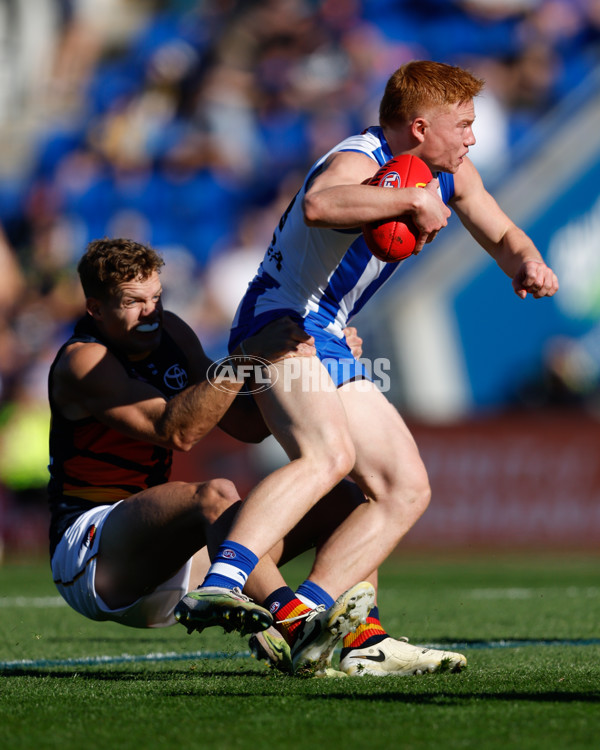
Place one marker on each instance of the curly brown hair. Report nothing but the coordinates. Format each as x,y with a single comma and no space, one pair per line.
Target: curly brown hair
109,262
422,84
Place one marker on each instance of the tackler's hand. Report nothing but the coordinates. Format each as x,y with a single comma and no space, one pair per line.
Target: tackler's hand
281,338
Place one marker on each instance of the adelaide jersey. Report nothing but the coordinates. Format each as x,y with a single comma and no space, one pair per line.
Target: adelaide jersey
319,274
91,463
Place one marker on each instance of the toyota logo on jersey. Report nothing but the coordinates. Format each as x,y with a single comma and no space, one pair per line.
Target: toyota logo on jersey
176,378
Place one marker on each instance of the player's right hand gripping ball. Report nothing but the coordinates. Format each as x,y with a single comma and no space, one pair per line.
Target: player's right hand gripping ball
395,239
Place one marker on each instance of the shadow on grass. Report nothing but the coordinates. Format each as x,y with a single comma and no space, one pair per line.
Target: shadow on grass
445,698
193,681
122,675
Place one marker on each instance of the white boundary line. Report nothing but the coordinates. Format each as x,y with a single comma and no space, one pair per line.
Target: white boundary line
37,602
86,661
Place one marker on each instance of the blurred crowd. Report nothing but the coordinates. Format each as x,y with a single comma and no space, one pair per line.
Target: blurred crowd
188,124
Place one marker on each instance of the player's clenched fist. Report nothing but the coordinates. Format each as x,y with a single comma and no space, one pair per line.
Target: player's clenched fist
535,278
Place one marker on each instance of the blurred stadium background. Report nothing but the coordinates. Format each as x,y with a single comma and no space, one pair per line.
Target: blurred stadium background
188,125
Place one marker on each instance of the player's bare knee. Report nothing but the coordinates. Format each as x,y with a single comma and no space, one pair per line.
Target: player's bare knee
215,497
344,461
416,497
338,463
404,495
422,497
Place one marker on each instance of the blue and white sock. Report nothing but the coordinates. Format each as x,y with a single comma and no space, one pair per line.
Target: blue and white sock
312,595
231,566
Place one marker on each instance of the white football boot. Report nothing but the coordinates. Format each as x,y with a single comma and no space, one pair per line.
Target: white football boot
391,657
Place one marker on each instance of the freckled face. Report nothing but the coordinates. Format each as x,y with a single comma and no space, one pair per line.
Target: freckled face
132,317
448,135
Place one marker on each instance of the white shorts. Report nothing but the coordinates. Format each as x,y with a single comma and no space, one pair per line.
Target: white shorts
74,569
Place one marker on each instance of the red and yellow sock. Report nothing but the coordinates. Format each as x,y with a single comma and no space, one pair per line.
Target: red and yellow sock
284,605
365,635
291,610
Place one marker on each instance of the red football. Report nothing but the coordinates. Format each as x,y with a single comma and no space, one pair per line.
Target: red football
395,239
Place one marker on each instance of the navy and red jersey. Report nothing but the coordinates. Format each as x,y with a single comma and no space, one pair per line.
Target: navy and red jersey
91,463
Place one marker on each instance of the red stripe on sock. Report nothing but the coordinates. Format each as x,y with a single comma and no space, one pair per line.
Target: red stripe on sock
363,633
292,609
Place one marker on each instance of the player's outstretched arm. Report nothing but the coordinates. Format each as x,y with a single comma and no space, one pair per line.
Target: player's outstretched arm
510,247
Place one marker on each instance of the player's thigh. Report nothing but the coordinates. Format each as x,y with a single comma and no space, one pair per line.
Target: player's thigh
387,457
163,524
303,409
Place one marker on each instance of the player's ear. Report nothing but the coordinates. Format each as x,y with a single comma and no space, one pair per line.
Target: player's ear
418,128
93,307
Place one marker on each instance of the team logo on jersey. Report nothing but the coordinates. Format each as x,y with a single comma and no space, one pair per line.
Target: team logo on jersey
391,180
176,378
229,554
89,537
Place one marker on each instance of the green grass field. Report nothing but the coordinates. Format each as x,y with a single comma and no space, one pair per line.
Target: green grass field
529,627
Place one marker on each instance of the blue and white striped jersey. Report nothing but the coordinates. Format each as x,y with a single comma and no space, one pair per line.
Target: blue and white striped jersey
324,275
